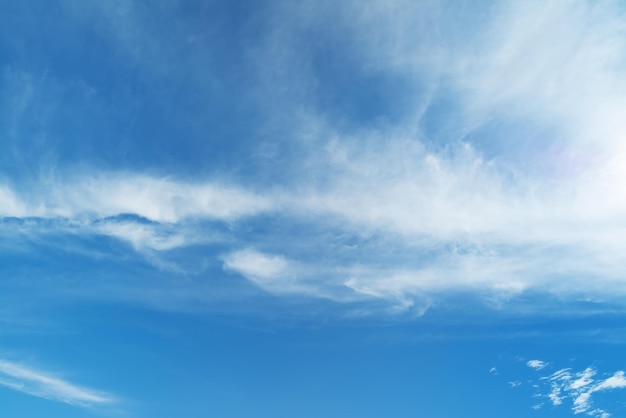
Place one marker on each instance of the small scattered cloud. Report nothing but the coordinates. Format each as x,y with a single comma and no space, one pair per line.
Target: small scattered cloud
536,364
577,388
617,381
44,385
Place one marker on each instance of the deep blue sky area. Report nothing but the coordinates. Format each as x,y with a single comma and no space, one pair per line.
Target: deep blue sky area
312,209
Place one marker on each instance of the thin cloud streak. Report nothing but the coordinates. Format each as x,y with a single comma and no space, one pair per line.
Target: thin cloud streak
43,385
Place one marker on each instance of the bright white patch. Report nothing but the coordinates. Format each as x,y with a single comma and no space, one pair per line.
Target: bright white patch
258,267
585,378
275,273
536,364
617,381
581,402
43,385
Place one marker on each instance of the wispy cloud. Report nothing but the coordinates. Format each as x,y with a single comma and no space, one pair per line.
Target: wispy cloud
523,187
577,387
272,272
145,235
44,385
109,194
259,267
11,204
510,187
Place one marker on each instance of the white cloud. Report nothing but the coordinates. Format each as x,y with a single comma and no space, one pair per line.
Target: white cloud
560,62
579,388
547,205
143,236
158,199
582,402
536,364
555,396
278,274
599,413
44,385
617,381
496,213
268,271
261,267
584,379
10,204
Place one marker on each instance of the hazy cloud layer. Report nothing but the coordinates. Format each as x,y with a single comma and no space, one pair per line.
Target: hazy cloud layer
488,159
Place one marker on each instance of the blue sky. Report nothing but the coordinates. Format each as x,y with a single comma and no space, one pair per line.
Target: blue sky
315,209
